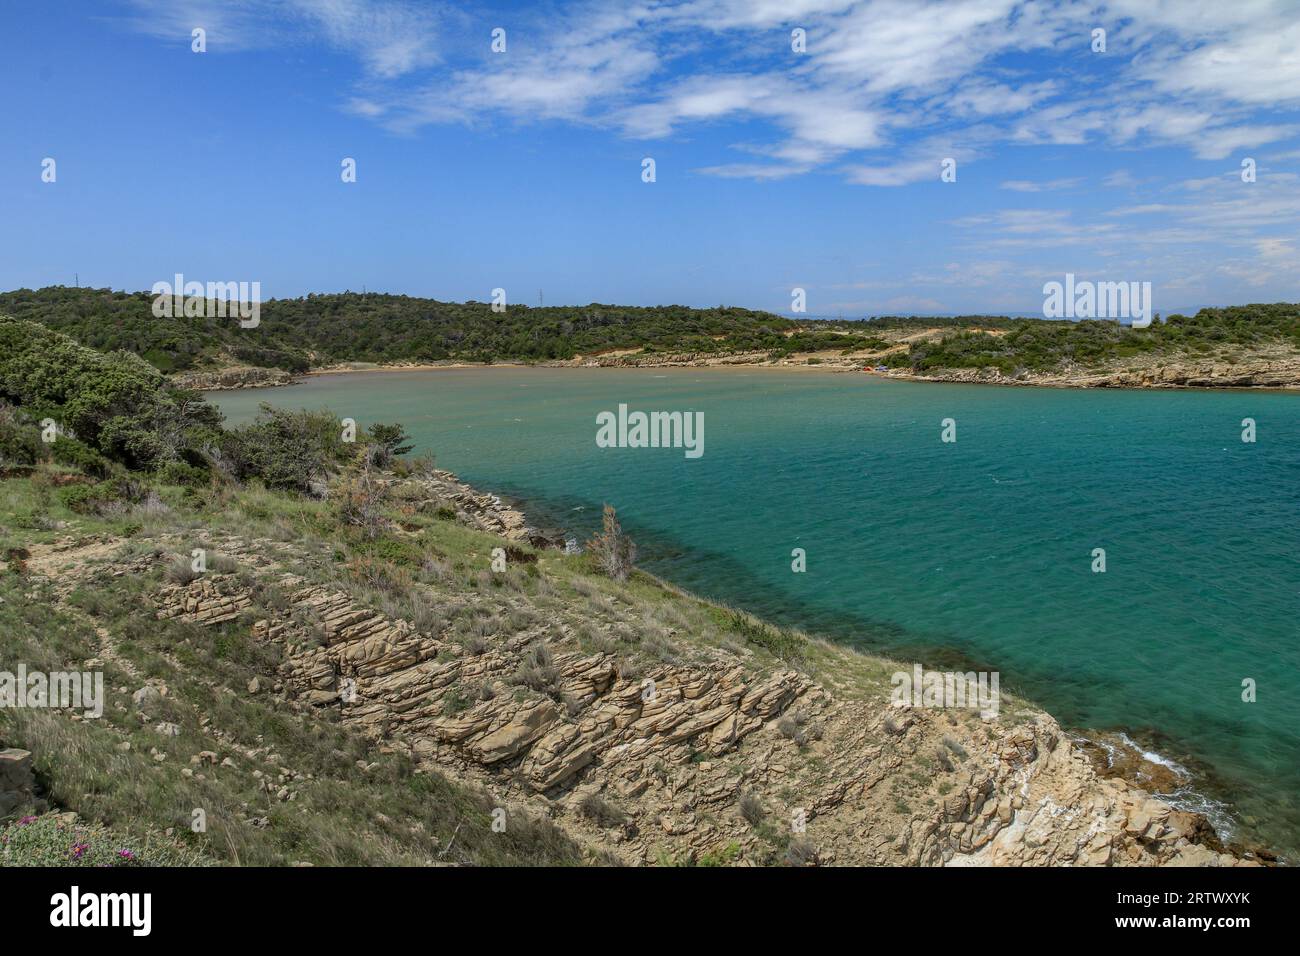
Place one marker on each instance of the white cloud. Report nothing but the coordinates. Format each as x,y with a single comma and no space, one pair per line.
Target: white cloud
880,81
1029,186
389,37
758,171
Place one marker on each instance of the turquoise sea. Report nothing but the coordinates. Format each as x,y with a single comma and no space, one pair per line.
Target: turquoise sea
979,550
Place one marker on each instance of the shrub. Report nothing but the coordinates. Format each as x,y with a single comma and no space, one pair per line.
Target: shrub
116,403
114,496
612,550
361,501
789,728
81,499
75,454
380,575
538,671
801,852
721,855
751,808
20,441
786,645
180,571
599,810
389,442
287,450
455,701
181,473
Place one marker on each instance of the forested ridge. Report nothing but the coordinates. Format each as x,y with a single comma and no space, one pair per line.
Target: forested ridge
1038,345
296,334
320,330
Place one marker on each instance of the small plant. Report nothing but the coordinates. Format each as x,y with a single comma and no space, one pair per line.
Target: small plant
180,571
380,575
599,810
361,501
796,727
751,808
455,701
801,852
612,550
789,728
538,671
390,441
222,564
720,855
786,645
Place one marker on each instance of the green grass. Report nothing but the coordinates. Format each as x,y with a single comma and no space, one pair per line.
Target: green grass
50,840
388,814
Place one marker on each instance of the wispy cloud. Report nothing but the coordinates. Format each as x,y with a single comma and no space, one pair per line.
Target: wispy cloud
876,77
390,38
1030,186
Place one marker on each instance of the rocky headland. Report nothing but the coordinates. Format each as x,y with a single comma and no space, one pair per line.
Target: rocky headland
619,712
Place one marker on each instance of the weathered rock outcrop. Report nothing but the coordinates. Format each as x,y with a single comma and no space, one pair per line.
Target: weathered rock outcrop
676,747
1281,372
435,490
716,752
17,782
240,376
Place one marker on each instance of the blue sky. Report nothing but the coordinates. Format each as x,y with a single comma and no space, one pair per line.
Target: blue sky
774,169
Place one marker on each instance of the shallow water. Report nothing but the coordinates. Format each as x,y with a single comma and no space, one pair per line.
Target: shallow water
982,547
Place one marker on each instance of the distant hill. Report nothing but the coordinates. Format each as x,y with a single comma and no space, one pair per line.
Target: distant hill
297,334
1011,346
1249,344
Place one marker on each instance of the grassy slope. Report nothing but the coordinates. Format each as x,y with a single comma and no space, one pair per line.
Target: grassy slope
386,814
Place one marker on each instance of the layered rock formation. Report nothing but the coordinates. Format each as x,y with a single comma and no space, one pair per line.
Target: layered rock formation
710,752
668,757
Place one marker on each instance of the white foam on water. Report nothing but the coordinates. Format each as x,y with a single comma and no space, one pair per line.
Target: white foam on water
1153,757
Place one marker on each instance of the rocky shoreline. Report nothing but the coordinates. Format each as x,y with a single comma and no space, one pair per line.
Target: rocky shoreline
1123,777
1264,375
1281,373
234,377
481,510
724,754
1111,756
